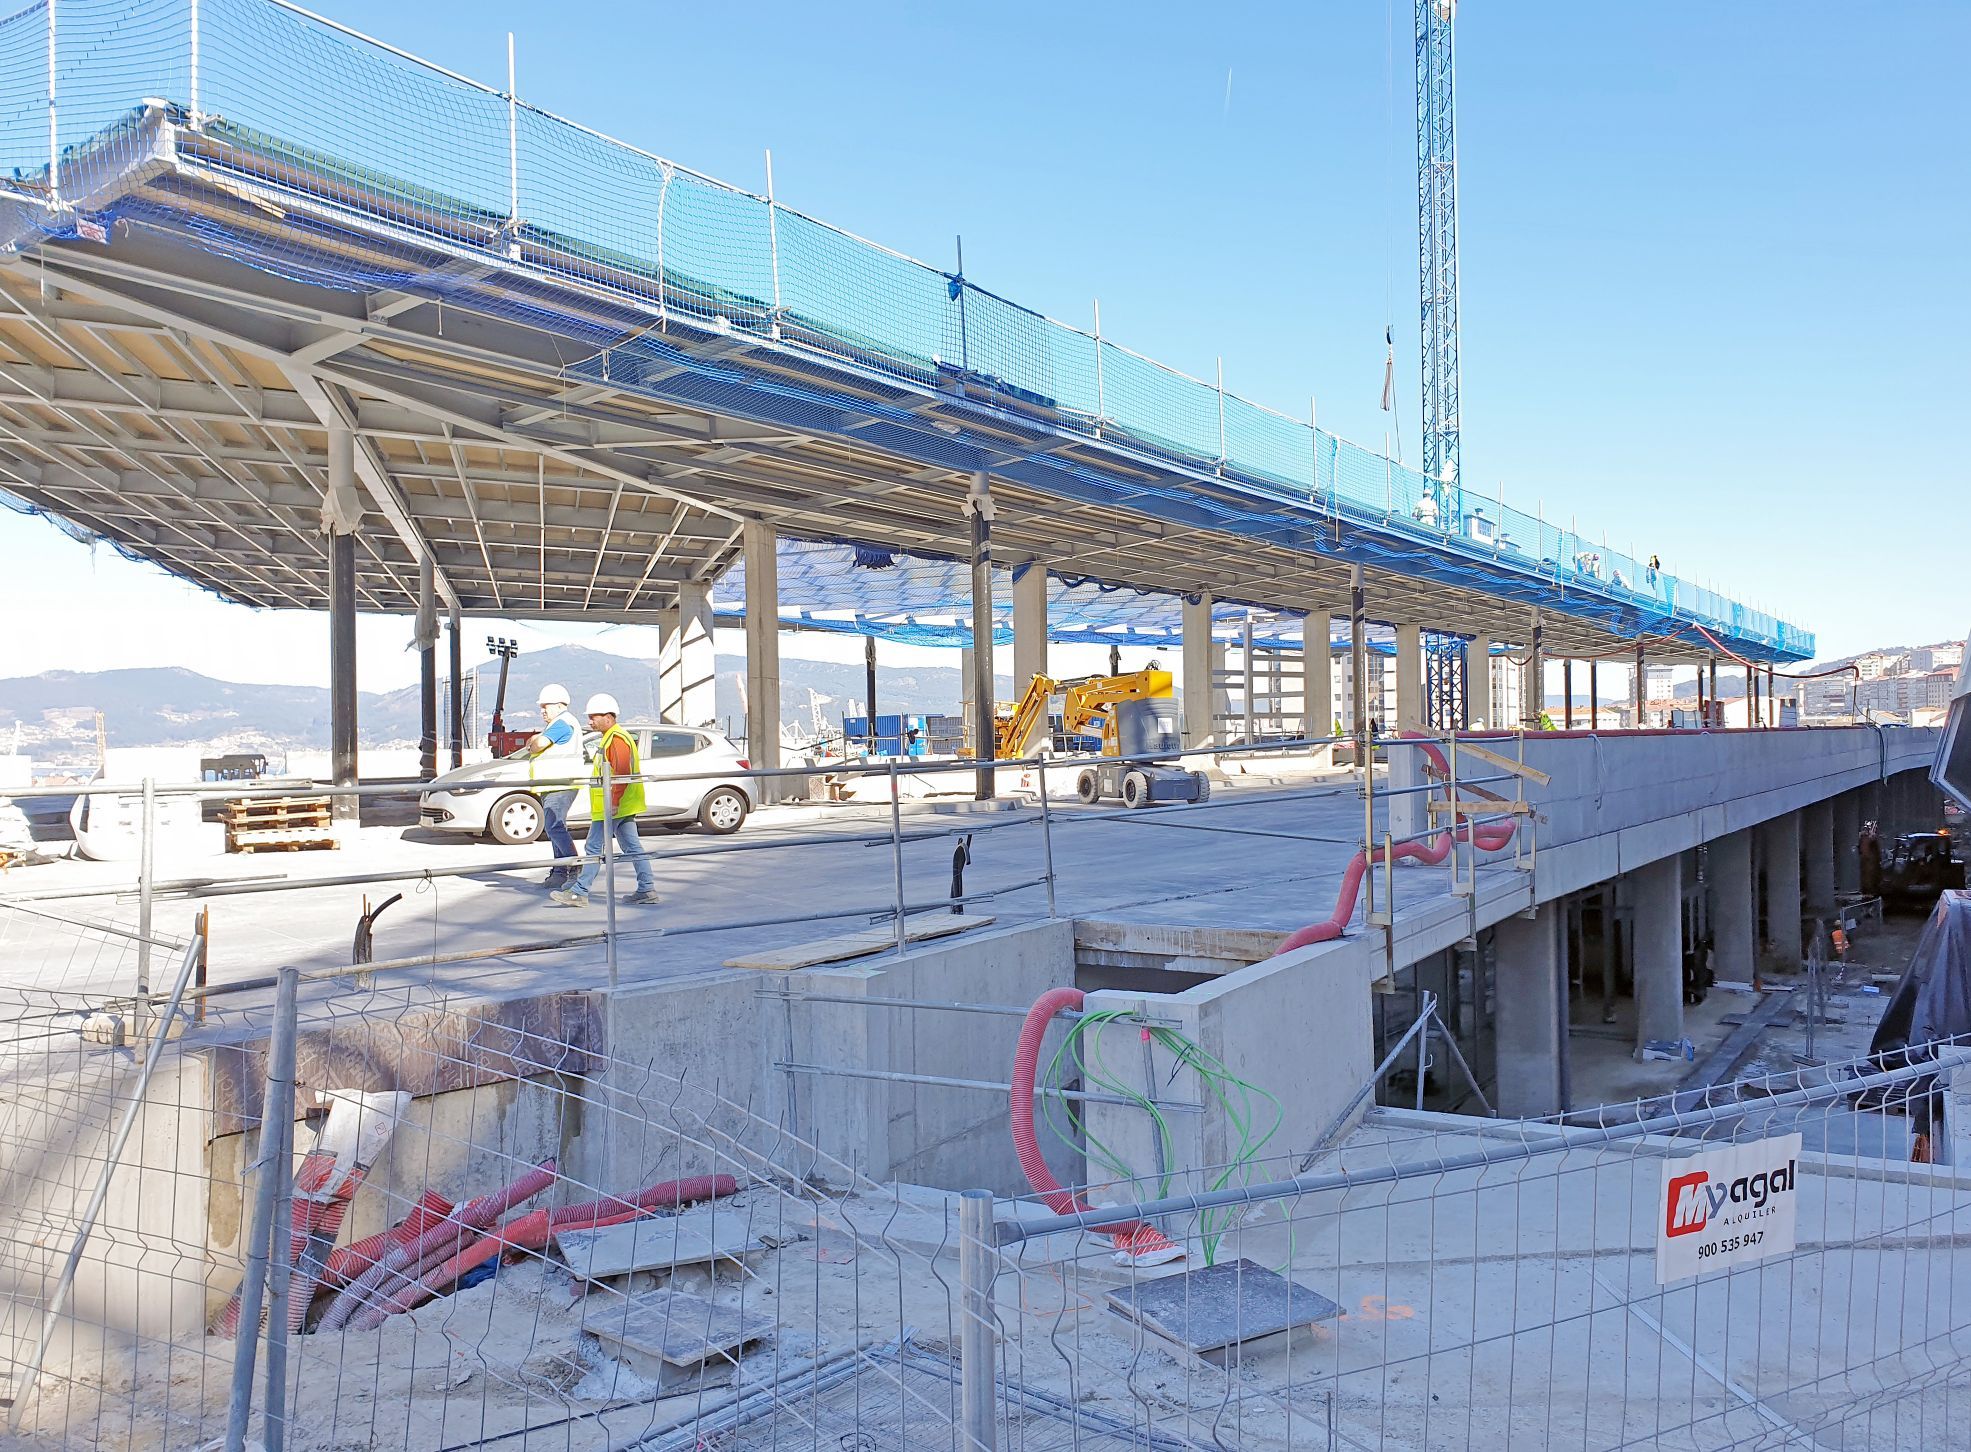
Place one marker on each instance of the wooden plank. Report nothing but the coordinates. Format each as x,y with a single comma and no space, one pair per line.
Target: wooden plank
1482,809
917,928
1504,763
673,1338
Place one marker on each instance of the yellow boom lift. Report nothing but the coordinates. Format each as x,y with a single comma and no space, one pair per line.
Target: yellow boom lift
1135,716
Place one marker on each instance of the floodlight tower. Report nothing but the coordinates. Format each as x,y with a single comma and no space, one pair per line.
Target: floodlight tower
1437,215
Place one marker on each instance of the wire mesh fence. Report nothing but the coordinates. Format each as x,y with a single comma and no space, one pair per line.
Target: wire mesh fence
468,180
473,1236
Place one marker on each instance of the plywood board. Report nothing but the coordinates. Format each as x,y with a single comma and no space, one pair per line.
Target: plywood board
917,928
671,1336
1221,1306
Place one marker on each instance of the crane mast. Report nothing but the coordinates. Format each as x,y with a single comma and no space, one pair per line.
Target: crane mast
1437,214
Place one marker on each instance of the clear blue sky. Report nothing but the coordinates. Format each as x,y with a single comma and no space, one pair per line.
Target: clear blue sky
1710,251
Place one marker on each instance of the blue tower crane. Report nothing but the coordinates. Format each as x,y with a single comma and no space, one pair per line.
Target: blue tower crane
1437,216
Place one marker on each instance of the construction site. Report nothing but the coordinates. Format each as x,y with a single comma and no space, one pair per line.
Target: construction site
1313,1037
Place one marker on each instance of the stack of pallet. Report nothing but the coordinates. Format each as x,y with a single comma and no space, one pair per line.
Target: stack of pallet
286,824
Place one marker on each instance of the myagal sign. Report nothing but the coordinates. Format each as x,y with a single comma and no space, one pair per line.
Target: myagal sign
1726,1207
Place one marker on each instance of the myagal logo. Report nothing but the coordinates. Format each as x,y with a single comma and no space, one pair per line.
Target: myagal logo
1691,1202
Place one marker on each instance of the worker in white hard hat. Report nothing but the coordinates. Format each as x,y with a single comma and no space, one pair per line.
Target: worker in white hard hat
613,807
555,766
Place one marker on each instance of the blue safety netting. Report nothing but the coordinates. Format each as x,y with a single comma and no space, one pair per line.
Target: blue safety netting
853,589
311,153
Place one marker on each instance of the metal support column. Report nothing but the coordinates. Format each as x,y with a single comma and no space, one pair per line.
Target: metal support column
1641,688
455,727
427,668
1594,695
1533,683
1567,688
978,505
869,690
978,1378
1358,663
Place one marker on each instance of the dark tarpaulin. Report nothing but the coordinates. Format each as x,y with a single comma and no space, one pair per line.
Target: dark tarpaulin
1933,998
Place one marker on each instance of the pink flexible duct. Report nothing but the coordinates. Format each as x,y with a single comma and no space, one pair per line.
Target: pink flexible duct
1133,1238
349,1261
475,1215
532,1232
1433,851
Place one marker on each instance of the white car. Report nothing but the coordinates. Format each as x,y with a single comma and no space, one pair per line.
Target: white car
499,799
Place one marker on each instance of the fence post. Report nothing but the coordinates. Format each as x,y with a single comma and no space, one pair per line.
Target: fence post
1046,834
896,854
273,1416
1221,415
54,139
976,1351
278,1101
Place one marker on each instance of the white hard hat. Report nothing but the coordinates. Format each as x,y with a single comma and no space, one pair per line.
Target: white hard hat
553,695
601,704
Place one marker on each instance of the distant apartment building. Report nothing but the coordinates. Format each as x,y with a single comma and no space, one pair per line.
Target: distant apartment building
1927,658
1879,663
1900,696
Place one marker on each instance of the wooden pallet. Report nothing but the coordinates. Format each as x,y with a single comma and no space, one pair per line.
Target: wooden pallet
278,839
278,824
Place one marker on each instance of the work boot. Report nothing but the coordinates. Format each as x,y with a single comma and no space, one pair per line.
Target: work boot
569,898
645,896
557,878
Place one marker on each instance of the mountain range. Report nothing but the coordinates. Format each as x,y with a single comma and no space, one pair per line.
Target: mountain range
54,714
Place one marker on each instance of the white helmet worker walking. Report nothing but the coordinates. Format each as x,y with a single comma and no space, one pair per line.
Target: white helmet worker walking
616,796
554,762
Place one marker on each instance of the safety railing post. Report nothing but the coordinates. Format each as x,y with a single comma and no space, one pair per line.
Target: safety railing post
1221,415
896,854
608,820
977,1375
773,243
1101,393
196,114
1046,833
276,1103
54,137
512,143
146,887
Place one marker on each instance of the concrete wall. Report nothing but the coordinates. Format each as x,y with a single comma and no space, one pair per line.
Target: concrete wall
723,1032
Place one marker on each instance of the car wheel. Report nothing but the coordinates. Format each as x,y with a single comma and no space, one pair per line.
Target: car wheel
722,811
516,819
1135,790
1087,788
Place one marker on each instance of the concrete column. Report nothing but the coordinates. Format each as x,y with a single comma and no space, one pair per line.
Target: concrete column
1478,684
687,684
1779,869
455,727
979,509
1199,658
341,511
1817,840
1318,673
1409,679
342,673
1873,796
427,667
1529,962
1847,835
1728,870
1657,891
966,676
758,543
1029,626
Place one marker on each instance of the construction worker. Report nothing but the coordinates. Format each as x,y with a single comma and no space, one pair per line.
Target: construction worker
554,765
617,816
